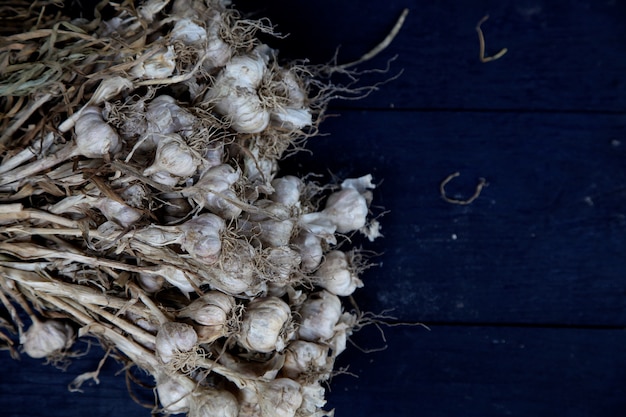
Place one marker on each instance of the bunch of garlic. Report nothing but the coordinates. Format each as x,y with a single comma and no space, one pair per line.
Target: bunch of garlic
154,218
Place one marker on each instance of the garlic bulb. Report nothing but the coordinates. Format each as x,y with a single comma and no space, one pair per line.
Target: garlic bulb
346,209
336,275
212,313
202,238
158,65
319,315
117,212
273,225
280,263
263,323
188,32
165,116
94,137
215,191
175,392
45,338
213,403
280,397
306,357
287,190
174,338
173,157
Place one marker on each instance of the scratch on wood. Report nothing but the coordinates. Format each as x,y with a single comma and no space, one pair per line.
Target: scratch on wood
481,44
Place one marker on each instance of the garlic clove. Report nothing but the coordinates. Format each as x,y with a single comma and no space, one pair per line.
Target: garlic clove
47,338
346,209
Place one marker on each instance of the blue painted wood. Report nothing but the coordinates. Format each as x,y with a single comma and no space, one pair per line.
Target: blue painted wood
563,55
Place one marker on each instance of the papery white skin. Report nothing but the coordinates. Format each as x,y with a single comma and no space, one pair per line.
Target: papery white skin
151,283
211,312
287,190
241,106
188,32
159,65
174,157
315,228
236,273
174,337
291,119
175,392
262,324
336,275
214,185
346,209
165,116
94,137
280,263
46,338
177,277
313,400
319,315
202,237
302,357
273,225
120,213
280,397
343,330
213,403
259,171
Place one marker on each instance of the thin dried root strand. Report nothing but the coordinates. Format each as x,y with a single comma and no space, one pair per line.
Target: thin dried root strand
479,187
481,44
381,46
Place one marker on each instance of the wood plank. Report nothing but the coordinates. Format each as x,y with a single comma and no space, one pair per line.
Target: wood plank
562,55
449,371
542,244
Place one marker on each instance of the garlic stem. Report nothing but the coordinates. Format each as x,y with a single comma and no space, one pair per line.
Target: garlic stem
27,153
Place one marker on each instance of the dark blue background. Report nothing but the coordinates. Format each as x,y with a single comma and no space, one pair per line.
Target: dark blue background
524,290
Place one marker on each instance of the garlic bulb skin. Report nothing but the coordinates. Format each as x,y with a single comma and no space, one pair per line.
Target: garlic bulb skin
94,137
159,65
175,392
319,315
202,237
281,397
346,209
188,32
302,357
173,338
262,324
117,212
165,116
173,157
45,338
336,275
213,403
211,312
241,106
287,190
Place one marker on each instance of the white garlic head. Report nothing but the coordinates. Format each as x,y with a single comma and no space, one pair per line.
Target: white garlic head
336,275
46,338
94,137
213,403
202,237
319,315
287,190
173,338
174,157
302,357
347,209
263,323
212,312
175,392
158,65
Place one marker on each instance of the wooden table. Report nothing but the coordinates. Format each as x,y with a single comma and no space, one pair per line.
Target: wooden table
524,289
